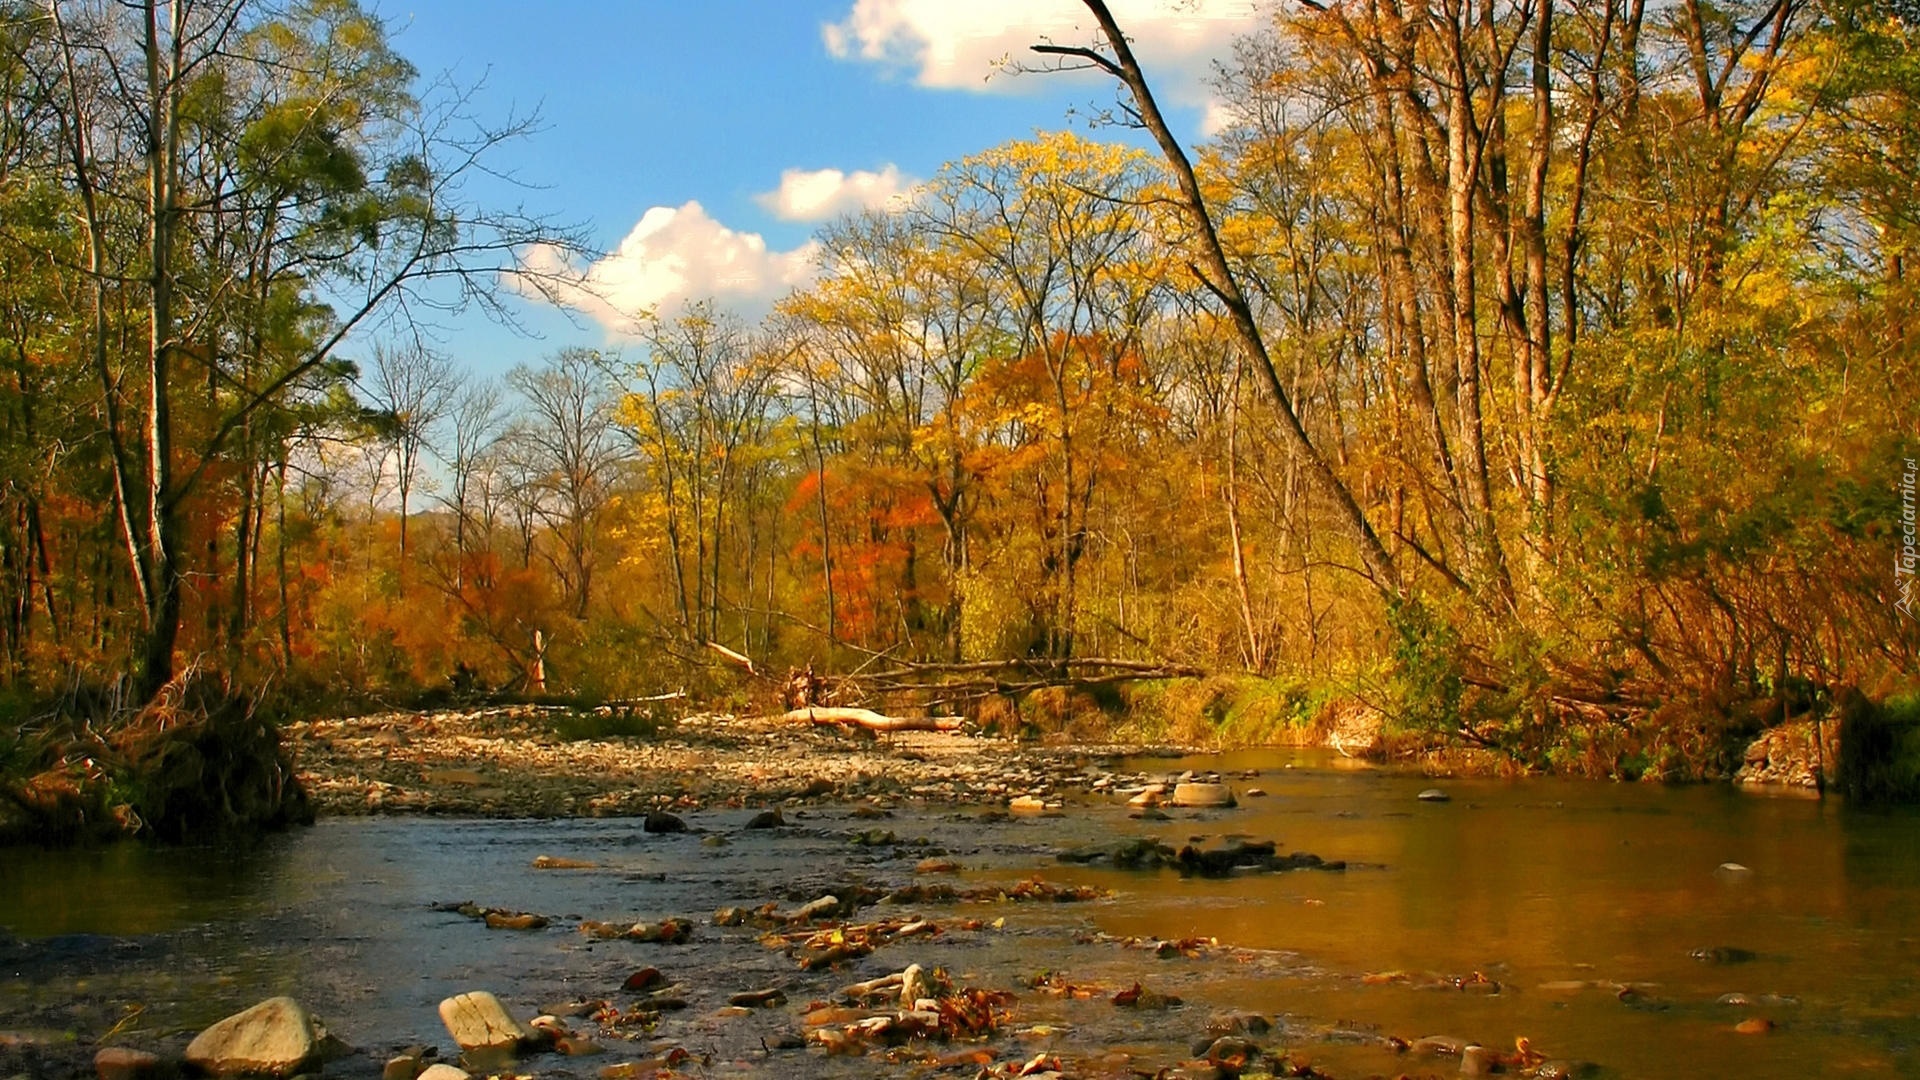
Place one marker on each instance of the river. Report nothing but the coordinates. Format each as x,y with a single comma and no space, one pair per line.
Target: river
1606,914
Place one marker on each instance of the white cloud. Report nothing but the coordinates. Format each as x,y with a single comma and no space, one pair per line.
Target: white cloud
965,45
671,256
819,194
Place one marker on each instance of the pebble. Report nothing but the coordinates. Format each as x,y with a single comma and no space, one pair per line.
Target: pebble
1434,794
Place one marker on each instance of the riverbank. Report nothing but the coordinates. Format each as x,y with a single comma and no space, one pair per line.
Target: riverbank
519,761
531,761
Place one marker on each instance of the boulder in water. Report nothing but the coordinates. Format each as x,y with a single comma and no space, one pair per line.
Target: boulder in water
1202,794
478,1021
277,1037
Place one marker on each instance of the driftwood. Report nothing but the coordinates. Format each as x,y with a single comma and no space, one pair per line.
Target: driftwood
980,678
872,721
731,657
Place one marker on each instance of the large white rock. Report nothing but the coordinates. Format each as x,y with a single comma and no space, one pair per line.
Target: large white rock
477,1021
277,1037
444,1071
1198,793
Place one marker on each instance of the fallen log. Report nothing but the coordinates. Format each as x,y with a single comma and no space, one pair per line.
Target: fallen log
866,718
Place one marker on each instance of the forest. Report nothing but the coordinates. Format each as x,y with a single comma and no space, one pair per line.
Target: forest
1532,371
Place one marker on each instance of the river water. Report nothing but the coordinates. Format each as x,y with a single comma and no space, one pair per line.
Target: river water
1605,914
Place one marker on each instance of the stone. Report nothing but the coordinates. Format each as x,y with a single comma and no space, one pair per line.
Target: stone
659,821
645,979
277,1037
1479,1061
1754,1025
1237,1023
1200,793
1437,1046
758,999
1434,794
936,866
478,1021
123,1063
1029,804
913,986
1232,1053
444,1071
501,920
767,819
402,1067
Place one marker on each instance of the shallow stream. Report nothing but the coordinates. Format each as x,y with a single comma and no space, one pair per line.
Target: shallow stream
1604,914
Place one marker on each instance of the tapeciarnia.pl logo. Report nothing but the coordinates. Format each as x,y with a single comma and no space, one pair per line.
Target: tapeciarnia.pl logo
1906,556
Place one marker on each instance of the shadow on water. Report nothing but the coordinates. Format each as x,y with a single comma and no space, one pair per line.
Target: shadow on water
1601,910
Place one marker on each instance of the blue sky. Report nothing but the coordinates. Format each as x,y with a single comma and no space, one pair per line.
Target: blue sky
670,126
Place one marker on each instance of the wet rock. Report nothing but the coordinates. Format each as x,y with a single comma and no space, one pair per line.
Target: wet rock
403,1067
501,920
1754,1025
478,1021
1256,793
767,819
1437,1046
1151,795
819,908
1133,853
555,862
1149,813
124,1063
1139,997
1434,794
1723,954
659,821
645,979
1196,793
1733,870
1030,804
577,1046
444,1071
1237,1023
277,1037
758,999
1231,1052
1480,1061
729,916
936,866
666,931
914,986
